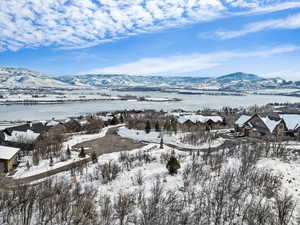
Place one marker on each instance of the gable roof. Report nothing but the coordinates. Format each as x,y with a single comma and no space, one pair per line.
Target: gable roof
292,121
200,118
7,152
242,120
269,123
38,127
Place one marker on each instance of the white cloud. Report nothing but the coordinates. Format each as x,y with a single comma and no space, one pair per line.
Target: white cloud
188,63
85,23
291,22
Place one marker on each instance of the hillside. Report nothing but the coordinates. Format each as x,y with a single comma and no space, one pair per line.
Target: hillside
24,78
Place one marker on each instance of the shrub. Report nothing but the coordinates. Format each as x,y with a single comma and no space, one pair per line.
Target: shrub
81,153
173,165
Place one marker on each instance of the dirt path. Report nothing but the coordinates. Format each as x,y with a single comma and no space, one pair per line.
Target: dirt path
111,142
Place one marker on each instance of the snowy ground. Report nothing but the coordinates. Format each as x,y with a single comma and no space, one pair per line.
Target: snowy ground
79,138
290,173
48,98
125,181
44,166
174,139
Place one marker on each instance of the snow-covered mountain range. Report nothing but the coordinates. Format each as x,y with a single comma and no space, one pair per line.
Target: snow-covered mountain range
24,78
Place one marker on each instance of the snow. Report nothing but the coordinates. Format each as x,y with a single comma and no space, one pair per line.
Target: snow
44,166
124,182
292,121
79,138
52,98
20,136
199,118
8,152
271,124
242,120
290,173
105,118
52,123
173,139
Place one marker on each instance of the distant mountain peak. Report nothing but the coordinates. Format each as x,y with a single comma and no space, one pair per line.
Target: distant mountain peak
240,76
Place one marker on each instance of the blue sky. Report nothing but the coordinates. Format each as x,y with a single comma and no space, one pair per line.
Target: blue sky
165,37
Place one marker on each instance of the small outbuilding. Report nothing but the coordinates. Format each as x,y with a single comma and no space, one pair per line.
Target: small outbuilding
8,158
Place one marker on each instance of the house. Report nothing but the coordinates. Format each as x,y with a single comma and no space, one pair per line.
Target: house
208,122
257,126
25,133
8,158
292,122
23,136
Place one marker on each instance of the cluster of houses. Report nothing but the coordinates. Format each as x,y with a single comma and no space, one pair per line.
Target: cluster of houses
278,125
17,140
209,122
191,119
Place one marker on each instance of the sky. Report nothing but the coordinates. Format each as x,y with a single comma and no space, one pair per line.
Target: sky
152,37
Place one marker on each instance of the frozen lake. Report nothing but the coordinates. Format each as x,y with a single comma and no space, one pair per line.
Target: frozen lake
190,102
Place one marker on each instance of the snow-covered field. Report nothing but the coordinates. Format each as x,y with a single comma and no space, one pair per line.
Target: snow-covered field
290,173
182,183
44,166
79,138
173,139
53,98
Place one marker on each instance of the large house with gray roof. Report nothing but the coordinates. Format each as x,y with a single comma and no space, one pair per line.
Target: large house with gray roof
258,126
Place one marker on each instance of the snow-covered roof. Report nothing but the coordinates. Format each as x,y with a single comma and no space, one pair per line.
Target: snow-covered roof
7,152
271,124
199,118
106,118
292,121
20,136
52,123
242,120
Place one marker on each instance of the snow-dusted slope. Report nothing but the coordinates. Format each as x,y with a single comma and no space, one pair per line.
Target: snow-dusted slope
24,78
235,81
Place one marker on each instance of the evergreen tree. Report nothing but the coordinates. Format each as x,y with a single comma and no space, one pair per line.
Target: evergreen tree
148,127
174,126
35,158
94,157
68,153
157,127
114,121
81,153
161,143
27,165
51,161
130,124
121,119
167,126
173,165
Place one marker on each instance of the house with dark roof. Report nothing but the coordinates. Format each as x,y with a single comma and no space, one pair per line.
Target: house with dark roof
257,126
23,136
